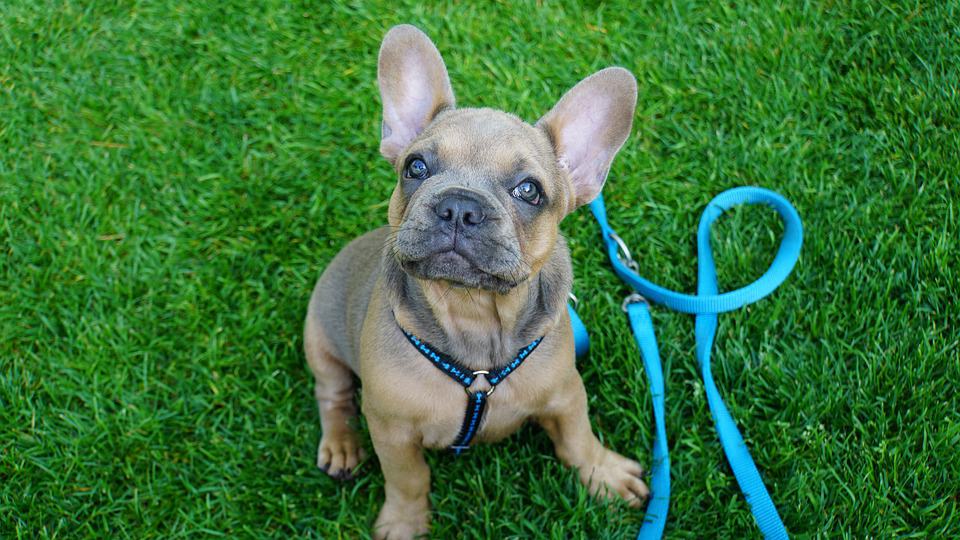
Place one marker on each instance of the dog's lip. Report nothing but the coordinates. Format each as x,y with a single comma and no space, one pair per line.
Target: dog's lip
451,252
446,246
457,251
450,248
504,283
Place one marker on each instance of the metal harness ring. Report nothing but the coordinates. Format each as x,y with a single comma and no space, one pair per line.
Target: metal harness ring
482,372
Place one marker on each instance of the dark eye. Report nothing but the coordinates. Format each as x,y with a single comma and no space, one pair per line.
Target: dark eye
528,192
416,169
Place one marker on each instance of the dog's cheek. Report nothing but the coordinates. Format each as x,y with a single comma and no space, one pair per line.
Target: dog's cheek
398,205
540,239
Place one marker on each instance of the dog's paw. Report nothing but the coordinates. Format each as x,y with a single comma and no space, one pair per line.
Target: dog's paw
615,475
339,455
394,524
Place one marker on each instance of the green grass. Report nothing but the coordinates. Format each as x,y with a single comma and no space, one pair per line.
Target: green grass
173,178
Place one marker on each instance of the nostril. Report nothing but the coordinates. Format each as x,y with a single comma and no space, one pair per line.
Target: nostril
473,217
445,210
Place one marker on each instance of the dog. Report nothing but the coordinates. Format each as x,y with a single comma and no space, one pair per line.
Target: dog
470,272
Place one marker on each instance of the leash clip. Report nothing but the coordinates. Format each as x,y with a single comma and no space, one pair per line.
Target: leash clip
623,253
633,298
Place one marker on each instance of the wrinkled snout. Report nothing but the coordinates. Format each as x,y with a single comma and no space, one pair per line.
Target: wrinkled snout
459,235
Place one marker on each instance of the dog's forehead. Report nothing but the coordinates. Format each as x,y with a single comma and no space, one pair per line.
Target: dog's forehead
488,139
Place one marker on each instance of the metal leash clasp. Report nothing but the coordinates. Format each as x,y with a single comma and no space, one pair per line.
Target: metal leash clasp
623,253
633,298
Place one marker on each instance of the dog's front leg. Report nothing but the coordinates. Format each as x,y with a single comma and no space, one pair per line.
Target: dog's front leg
602,470
406,511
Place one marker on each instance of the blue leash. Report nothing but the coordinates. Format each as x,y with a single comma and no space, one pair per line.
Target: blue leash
705,305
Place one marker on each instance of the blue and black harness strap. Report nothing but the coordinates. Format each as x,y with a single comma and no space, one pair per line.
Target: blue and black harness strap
477,401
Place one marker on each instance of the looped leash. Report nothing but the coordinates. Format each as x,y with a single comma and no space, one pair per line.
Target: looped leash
705,305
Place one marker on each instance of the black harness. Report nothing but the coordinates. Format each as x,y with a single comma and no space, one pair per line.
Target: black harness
477,401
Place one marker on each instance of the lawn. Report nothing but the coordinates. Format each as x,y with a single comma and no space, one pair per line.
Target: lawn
173,179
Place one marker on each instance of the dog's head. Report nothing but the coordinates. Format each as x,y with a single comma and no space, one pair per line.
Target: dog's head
481,193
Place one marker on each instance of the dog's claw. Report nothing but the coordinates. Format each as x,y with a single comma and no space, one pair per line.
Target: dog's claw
344,475
340,456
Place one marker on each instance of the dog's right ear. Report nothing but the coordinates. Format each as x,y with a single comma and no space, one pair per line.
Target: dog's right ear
414,87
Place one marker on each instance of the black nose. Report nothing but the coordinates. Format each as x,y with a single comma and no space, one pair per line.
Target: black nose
460,209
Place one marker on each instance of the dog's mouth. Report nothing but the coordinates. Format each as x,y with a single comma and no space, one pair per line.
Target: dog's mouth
475,263
458,271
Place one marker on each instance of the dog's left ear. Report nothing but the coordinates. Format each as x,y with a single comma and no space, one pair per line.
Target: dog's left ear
413,84
589,125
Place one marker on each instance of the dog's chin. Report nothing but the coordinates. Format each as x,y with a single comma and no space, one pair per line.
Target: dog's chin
457,270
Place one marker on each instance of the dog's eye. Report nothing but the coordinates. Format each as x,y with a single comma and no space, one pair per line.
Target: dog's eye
416,169
528,192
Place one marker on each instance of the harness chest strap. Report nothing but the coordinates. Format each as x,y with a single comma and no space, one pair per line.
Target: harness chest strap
477,401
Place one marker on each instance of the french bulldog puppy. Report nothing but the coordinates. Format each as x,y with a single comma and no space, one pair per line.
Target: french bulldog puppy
473,264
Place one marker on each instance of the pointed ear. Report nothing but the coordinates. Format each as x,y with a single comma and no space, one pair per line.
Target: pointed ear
589,125
414,87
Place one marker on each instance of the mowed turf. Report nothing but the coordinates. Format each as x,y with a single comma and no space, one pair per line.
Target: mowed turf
174,177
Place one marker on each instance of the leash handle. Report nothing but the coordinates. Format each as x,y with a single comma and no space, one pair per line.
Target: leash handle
706,305
711,302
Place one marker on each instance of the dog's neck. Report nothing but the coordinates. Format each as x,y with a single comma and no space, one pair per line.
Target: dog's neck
483,329
477,323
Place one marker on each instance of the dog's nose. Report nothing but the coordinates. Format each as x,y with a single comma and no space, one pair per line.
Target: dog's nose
460,209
